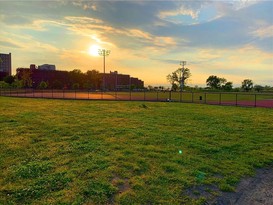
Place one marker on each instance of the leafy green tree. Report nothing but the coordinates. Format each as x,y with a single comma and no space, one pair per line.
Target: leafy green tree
18,83
132,87
86,85
76,77
268,88
3,84
258,88
76,86
247,85
93,78
173,79
9,79
26,78
228,86
57,84
150,87
161,88
184,74
223,81
179,78
213,82
174,87
43,85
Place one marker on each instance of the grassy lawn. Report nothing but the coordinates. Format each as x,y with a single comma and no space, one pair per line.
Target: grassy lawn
99,152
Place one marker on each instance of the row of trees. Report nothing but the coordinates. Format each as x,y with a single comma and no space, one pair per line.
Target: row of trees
215,82
178,79
75,79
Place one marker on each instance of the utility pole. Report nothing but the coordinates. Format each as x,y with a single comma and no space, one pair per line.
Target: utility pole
182,63
103,52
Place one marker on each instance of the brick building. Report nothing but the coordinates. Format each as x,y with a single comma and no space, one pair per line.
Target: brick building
115,81
56,79
65,79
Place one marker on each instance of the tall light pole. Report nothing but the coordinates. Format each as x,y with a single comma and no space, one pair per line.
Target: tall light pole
182,63
104,52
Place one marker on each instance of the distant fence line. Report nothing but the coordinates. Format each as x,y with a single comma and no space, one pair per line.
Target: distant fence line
215,98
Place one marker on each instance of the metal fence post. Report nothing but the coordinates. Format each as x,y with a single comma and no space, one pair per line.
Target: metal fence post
255,104
170,95
236,97
157,96
180,100
192,96
144,95
205,100
220,98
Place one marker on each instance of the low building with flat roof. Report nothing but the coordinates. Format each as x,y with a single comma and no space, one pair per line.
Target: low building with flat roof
46,67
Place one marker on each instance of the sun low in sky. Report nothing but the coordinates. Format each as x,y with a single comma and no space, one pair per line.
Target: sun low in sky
94,50
231,39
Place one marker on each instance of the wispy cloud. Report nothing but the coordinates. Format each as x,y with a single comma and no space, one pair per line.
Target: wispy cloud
9,44
264,32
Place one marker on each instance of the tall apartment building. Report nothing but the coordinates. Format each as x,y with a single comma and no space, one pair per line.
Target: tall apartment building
5,63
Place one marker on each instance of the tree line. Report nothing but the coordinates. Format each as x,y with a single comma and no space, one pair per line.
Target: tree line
179,78
74,79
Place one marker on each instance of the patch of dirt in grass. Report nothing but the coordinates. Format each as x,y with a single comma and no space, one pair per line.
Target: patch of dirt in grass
257,190
122,185
204,191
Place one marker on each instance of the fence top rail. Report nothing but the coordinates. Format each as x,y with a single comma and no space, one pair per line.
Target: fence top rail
141,91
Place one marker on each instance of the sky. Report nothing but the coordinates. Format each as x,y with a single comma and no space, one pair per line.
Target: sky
147,38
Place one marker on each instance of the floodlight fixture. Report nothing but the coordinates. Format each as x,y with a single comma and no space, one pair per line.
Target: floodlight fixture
104,52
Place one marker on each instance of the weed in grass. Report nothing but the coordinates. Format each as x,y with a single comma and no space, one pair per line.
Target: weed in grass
170,167
226,187
32,169
143,106
200,176
41,187
98,192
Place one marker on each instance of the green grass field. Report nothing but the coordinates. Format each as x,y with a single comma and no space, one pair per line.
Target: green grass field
110,152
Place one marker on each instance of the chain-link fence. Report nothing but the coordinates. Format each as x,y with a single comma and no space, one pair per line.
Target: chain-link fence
216,98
